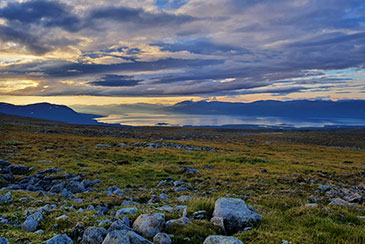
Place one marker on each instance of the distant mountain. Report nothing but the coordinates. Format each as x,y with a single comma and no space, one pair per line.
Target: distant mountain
49,111
297,109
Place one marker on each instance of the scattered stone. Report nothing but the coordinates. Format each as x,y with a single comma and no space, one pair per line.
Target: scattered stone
166,208
202,214
215,239
163,197
126,211
149,224
134,238
188,170
6,198
339,202
162,238
117,237
324,188
180,221
59,239
78,201
184,199
3,240
39,232
31,222
94,235
311,205
18,169
235,213
62,217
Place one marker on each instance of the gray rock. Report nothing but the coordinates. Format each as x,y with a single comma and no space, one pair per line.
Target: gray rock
162,238
66,193
134,238
31,222
94,235
75,187
78,201
117,237
149,224
126,211
202,214
235,213
3,240
39,232
188,170
166,208
184,198
62,217
339,202
18,169
120,225
4,163
163,197
324,188
6,198
222,240
180,221
57,188
30,225
59,239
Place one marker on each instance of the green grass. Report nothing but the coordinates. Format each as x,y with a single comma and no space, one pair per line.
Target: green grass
291,160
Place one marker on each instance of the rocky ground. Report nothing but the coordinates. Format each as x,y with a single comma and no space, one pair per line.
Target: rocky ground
226,187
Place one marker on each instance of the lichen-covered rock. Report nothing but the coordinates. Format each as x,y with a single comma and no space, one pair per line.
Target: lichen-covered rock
222,240
149,224
59,239
235,213
94,235
162,238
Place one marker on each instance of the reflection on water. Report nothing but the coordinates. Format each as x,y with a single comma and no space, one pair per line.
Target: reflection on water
144,119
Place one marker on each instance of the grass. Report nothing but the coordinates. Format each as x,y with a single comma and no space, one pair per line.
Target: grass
291,159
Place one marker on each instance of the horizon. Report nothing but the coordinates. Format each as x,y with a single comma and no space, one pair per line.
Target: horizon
164,52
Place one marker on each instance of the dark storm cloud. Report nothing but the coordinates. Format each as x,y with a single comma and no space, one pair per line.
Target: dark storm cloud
80,69
41,12
116,81
24,38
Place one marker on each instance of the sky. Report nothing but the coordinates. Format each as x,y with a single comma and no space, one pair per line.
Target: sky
165,51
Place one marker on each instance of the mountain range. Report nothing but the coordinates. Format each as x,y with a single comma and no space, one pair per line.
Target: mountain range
49,111
298,109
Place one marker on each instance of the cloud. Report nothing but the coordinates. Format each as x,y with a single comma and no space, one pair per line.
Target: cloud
41,12
181,47
138,17
116,81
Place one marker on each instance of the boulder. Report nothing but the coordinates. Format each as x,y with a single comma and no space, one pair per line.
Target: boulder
149,224
117,237
235,213
59,239
162,238
134,238
94,235
222,240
